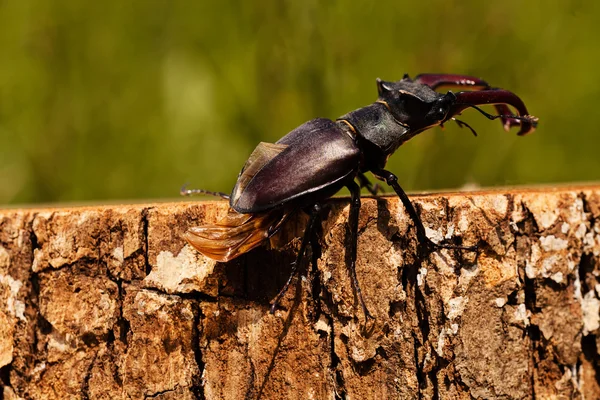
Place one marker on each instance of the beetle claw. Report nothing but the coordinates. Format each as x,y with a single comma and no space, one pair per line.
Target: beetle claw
428,246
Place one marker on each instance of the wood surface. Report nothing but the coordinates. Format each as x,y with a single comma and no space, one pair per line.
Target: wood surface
110,302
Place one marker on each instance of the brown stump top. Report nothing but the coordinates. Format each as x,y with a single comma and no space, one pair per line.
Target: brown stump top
111,302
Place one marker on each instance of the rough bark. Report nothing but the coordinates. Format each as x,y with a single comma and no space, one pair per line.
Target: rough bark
110,302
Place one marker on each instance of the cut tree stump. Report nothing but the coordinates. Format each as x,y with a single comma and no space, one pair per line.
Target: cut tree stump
111,303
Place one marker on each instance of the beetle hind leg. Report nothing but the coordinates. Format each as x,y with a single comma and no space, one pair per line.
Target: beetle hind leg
314,212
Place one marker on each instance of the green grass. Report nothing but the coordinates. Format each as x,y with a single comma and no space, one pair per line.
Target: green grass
129,100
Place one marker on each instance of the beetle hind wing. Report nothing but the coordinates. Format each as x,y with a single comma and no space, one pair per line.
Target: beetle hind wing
235,234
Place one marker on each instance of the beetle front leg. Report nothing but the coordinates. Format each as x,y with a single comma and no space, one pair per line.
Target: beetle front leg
305,239
353,229
184,191
424,242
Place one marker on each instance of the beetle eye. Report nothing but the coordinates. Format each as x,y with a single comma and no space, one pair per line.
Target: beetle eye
439,113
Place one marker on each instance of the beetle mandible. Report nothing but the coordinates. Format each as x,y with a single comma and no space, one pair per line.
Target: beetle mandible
317,159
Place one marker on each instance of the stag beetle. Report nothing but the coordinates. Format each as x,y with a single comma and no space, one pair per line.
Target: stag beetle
314,161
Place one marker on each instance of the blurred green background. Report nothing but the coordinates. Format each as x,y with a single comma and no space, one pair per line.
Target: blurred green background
125,100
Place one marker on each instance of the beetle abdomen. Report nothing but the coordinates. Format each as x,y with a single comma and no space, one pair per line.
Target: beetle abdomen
316,156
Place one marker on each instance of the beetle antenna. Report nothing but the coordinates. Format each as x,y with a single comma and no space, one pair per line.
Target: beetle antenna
184,191
462,124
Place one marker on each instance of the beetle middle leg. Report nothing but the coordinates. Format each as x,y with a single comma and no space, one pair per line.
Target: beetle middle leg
366,183
426,243
314,213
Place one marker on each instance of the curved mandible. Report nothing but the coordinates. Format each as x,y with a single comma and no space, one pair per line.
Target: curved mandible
497,97
438,81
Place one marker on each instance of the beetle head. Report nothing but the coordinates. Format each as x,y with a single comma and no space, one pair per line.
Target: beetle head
414,105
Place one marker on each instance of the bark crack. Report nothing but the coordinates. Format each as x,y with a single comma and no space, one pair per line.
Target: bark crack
338,378
422,315
528,228
148,267
155,395
586,268
85,387
5,377
197,384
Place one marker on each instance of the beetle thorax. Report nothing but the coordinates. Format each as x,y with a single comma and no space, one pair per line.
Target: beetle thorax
378,133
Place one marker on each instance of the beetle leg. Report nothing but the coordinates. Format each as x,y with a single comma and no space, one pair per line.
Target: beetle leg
366,183
184,191
425,243
305,239
353,228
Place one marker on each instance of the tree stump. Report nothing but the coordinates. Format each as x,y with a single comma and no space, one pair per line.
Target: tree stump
111,303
